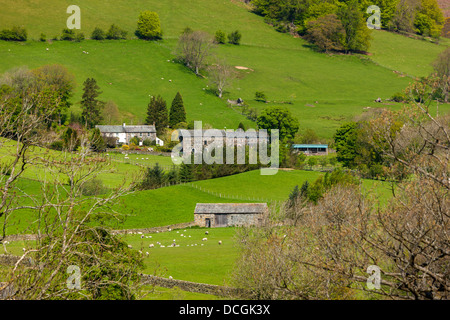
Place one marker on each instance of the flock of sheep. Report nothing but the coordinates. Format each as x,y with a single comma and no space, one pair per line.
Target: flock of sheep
174,241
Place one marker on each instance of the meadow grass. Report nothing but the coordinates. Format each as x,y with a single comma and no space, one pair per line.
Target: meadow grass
194,260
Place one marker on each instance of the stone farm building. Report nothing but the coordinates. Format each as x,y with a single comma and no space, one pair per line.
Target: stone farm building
204,138
212,215
124,133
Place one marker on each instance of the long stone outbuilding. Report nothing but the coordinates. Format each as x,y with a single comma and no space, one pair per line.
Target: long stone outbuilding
212,215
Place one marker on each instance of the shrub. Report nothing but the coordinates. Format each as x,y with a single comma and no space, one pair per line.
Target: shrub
125,147
98,34
260,96
135,141
220,37
399,97
68,34
14,34
115,33
93,187
79,37
57,145
149,26
43,37
234,37
148,142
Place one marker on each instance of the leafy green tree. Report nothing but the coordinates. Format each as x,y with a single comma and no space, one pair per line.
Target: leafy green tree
429,20
148,26
327,33
357,35
157,114
91,107
278,118
177,112
62,82
220,37
98,34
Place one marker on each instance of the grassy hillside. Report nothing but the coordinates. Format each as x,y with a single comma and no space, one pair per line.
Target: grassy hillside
324,90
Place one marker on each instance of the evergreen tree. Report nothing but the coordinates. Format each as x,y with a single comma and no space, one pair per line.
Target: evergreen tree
91,107
157,114
186,174
177,111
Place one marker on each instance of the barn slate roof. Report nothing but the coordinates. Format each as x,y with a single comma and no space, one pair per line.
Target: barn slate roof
239,208
126,129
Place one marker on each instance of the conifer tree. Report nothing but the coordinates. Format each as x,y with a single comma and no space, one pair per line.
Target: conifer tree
177,111
157,114
91,107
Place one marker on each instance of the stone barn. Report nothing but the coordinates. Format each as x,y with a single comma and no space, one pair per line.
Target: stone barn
212,215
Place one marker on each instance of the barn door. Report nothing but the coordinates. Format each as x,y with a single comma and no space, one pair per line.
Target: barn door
221,220
208,223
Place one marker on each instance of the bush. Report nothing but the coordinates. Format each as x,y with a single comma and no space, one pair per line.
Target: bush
148,142
93,187
399,97
57,145
43,37
260,96
125,147
98,34
68,34
234,37
79,37
220,37
115,33
14,34
149,26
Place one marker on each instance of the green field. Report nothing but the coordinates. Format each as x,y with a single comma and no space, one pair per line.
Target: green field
324,90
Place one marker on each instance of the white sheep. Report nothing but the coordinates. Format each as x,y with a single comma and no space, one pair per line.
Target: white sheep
206,232
151,245
205,239
130,246
220,242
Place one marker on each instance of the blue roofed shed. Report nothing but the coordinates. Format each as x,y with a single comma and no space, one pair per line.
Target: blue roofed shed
311,149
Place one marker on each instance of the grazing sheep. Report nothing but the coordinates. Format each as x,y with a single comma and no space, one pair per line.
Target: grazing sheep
147,253
205,239
130,246
151,245
142,236
220,242
170,277
162,246
206,232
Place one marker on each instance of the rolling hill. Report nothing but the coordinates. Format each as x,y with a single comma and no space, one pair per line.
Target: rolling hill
322,91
